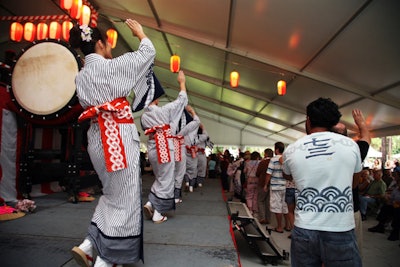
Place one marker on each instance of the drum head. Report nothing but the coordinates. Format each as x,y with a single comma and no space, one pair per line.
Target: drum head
43,79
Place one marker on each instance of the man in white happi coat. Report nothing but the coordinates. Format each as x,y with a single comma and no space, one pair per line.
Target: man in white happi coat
159,123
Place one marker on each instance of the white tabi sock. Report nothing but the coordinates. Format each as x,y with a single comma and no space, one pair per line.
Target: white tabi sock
102,263
87,247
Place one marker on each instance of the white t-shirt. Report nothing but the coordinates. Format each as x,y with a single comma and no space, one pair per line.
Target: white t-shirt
322,165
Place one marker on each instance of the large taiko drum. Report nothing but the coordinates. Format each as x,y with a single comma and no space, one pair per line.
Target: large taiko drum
43,83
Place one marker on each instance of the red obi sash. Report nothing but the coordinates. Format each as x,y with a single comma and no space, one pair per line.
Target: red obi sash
201,150
178,142
192,150
161,134
109,115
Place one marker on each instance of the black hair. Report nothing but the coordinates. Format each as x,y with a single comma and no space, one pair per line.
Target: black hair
269,152
87,47
280,146
254,155
323,112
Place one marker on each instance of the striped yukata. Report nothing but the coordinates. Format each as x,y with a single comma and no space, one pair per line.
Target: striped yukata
116,227
180,166
202,158
162,191
191,158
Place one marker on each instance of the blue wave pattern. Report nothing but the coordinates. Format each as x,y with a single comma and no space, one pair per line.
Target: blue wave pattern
330,199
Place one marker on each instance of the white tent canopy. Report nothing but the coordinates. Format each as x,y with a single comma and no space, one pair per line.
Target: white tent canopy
373,153
344,50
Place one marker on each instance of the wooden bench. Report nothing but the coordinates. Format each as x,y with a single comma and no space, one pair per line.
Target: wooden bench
257,236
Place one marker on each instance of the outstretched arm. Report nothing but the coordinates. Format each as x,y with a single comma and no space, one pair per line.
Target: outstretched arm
362,125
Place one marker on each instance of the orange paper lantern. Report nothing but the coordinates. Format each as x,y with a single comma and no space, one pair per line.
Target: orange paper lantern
55,30
85,15
76,9
235,79
29,31
16,31
41,31
65,28
66,4
281,86
175,63
112,36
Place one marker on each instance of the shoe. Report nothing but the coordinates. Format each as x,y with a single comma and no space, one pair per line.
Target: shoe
263,221
148,211
363,217
377,229
85,197
178,200
287,229
394,235
81,257
190,188
200,185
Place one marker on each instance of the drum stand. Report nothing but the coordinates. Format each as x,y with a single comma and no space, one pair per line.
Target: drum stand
64,165
255,234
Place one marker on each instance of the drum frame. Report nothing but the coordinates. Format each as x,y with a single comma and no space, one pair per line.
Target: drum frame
57,117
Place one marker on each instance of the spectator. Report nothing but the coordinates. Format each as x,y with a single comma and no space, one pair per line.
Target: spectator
374,195
212,164
263,196
322,165
277,185
390,211
252,182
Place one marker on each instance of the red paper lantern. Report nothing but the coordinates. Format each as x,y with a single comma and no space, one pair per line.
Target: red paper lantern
66,4
112,36
175,63
65,28
281,86
41,31
16,31
29,31
76,9
235,79
85,15
55,30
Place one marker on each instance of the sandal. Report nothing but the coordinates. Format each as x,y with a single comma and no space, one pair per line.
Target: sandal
81,257
275,230
163,219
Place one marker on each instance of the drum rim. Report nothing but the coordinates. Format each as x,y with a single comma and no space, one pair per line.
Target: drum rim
71,103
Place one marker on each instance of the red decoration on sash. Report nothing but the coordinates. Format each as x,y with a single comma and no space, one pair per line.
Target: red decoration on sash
109,115
161,135
192,150
201,150
178,142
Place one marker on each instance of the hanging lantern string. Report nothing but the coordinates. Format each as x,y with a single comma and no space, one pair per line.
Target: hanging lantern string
34,18
61,17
